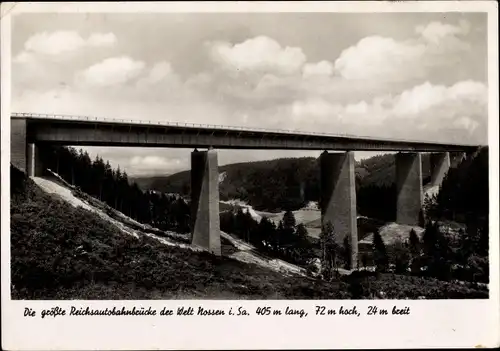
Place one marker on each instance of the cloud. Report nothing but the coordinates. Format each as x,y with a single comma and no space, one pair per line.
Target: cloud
258,54
62,42
24,57
470,90
426,96
152,164
387,59
99,39
466,123
414,112
54,43
160,72
111,71
323,68
377,57
314,107
435,32
419,98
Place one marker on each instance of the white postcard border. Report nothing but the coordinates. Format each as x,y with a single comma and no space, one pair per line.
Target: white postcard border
432,323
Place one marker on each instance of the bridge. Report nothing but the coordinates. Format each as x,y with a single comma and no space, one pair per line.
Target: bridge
30,132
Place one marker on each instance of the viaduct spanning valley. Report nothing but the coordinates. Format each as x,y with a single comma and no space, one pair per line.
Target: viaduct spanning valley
31,132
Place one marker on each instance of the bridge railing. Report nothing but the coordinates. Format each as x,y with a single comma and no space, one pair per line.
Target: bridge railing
203,125
166,123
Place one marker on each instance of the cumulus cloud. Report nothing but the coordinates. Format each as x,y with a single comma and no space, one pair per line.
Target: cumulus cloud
377,57
322,68
425,96
419,98
160,72
314,107
258,54
152,163
100,39
435,32
54,43
383,58
466,123
424,107
62,42
111,71
373,66
23,57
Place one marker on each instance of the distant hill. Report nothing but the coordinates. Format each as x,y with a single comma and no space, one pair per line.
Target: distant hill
285,183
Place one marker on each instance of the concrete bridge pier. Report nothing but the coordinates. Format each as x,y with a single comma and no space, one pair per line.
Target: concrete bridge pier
440,164
23,155
35,165
18,143
338,198
205,222
409,188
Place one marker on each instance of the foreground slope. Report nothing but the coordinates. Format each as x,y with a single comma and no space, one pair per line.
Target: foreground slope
59,251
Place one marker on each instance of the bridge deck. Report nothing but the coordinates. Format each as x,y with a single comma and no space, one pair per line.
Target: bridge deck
77,130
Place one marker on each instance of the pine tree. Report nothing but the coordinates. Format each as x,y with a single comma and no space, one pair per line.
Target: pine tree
429,239
380,253
329,250
414,243
98,177
401,256
303,244
302,231
279,234
264,232
414,247
437,251
347,252
289,220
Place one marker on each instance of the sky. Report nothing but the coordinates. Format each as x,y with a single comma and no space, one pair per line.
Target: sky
418,76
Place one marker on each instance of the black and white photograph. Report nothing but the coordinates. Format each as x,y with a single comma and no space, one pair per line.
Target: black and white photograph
261,155
217,156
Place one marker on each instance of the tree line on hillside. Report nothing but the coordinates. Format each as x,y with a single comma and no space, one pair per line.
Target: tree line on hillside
464,192
290,183
112,186
287,240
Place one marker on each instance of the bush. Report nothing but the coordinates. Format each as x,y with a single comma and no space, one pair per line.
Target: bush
408,287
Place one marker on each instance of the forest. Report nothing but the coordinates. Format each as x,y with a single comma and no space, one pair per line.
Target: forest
112,186
462,198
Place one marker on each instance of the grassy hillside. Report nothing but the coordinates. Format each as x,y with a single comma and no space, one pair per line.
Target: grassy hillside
62,252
